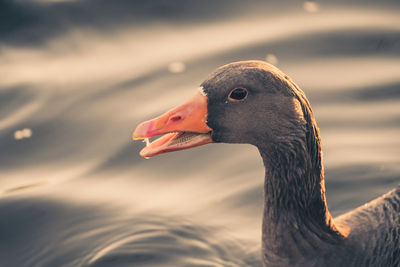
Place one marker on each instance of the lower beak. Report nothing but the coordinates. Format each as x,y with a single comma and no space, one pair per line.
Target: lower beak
182,127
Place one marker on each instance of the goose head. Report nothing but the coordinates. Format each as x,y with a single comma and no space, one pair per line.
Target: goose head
247,102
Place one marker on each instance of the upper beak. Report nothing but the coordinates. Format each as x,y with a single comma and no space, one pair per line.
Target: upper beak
184,127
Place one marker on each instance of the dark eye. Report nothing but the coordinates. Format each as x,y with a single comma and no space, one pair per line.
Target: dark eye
237,94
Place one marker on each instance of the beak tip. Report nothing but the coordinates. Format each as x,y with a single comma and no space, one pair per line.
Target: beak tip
140,132
143,153
135,136
144,130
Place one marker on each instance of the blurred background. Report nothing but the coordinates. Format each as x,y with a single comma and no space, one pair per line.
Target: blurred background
77,76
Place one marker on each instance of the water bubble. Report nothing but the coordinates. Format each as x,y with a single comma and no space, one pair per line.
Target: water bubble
21,134
272,59
311,6
27,133
176,67
18,135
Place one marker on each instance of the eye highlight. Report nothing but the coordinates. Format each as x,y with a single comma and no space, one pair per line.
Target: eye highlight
238,94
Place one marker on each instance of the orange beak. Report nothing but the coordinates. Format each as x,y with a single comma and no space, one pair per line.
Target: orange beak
182,127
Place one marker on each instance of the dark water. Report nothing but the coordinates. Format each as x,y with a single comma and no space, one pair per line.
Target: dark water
80,75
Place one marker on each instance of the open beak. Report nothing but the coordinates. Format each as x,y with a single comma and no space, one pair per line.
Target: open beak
181,128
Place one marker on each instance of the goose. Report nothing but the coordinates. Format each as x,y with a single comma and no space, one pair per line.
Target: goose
253,102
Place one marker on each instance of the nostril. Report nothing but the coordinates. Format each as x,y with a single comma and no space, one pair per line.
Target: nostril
176,118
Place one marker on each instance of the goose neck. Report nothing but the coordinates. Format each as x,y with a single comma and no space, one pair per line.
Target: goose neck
296,220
